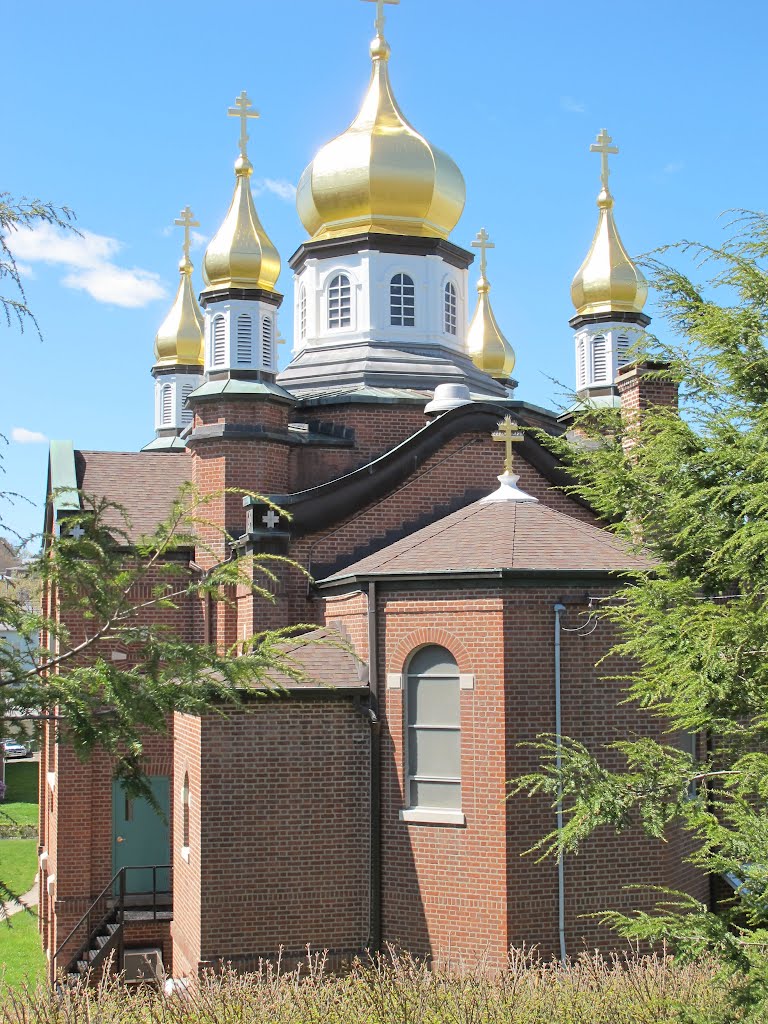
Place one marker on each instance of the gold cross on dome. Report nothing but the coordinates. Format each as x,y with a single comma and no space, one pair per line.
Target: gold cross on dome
242,109
380,19
602,145
186,221
483,242
509,432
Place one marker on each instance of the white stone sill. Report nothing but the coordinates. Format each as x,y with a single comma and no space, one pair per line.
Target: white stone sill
426,816
185,853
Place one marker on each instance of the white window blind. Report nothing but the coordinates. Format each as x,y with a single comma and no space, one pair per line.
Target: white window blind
186,412
166,403
303,312
433,730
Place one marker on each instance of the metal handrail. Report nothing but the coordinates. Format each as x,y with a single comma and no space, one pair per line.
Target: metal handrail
120,878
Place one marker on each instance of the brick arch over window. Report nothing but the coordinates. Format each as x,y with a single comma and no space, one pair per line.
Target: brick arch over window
406,647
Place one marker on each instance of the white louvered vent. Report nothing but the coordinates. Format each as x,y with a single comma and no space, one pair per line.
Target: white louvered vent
582,369
219,341
186,412
599,364
622,348
166,410
244,335
266,342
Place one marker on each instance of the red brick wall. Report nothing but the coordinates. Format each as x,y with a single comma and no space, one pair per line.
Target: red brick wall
185,929
469,890
281,845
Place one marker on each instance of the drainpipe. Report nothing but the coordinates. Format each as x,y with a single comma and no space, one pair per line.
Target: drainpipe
559,609
374,927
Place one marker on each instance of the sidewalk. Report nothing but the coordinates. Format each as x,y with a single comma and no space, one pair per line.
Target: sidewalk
26,902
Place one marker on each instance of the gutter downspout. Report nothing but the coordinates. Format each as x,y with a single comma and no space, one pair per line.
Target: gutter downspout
559,609
374,925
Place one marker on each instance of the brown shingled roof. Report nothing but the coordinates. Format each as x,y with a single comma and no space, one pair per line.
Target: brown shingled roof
144,483
500,535
325,663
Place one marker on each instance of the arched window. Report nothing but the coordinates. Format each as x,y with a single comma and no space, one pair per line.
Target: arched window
266,342
433,730
186,412
244,335
218,353
185,812
581,368
303,312
402,301
599,363
450,309
622,349
166,405
340,302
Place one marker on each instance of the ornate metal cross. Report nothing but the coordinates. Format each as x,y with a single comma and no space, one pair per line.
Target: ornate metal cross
483,242
242,109
380,19
186,220
602,145
509,432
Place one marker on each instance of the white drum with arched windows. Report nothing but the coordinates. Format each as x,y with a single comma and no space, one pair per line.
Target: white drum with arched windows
433,730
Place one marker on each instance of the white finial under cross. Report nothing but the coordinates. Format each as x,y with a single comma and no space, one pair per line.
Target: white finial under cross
270,519
186,220
242,109
602,145
380,19
483,243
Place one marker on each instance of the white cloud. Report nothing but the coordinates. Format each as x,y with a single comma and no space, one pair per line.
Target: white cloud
24,436
198,239
24,269
572,106
89,260
48,244
117,285
675,167
277,186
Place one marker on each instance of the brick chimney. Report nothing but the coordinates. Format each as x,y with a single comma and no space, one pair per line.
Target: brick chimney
640,387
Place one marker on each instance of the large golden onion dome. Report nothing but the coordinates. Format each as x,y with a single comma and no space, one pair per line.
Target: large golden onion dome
241,254
488,348
180,338
607,281
380,175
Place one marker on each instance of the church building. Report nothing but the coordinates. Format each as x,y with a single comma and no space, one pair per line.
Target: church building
368,804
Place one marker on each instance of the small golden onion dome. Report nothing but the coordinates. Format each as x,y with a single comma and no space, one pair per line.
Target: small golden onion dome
241,254
180,338
608,281
489,349
380,175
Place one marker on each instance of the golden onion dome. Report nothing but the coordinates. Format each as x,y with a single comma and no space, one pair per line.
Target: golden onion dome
380,175
241,254
607,281
180,338
488,348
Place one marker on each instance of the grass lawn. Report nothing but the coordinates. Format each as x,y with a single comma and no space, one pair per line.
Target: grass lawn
18,864
21,955
18,812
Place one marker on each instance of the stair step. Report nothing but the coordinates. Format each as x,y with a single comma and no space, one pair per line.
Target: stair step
102,940
112,928
82,966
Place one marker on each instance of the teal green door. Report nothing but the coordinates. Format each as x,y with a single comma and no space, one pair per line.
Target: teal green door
141,836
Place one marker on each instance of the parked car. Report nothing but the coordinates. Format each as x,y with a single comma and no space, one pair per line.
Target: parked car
14,749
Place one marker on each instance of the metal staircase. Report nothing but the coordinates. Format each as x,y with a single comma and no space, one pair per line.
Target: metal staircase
103,926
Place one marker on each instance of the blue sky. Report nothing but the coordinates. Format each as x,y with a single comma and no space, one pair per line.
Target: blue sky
119,111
